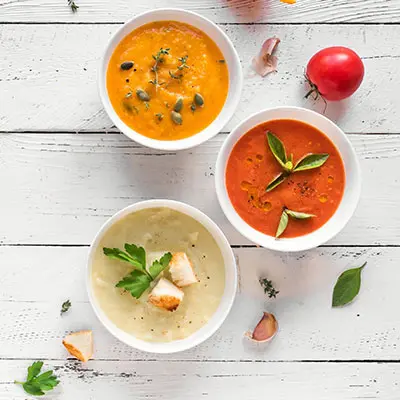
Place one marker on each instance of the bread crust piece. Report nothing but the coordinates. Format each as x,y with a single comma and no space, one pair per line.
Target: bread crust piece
181,270
166,295
73,341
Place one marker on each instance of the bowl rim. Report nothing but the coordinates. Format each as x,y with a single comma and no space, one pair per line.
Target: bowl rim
317,237
227,299
225,114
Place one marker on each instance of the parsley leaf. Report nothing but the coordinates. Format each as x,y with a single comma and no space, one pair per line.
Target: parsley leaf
137,253
36,384
118,254
135,283
158,266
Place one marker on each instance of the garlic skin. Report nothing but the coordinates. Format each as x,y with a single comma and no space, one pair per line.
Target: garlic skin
266,62
265,330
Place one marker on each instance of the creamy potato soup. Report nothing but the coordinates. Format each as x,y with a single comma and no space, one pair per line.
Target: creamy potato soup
159,231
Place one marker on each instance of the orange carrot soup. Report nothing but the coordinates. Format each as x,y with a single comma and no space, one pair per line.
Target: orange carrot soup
167,80
285,178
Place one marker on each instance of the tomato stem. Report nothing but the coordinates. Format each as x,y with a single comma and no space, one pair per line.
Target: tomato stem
314,89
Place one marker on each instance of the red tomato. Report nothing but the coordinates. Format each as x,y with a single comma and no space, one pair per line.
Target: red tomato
335,73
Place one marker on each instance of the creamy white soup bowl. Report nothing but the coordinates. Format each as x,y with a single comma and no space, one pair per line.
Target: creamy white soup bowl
351,191
221,40
227,298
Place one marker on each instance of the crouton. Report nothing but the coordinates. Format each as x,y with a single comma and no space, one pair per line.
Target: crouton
181,270
166,295
80,345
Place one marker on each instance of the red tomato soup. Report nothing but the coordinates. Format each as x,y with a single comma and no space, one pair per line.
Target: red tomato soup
251,167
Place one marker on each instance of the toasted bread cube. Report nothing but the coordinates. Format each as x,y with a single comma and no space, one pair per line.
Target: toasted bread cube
166,295
80,345
181,270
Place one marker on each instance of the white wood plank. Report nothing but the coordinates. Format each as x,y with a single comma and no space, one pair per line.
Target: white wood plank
62,188
36,280
100,380
48,74
233,11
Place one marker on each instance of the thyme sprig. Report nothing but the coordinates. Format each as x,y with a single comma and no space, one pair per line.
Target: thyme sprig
159,59
73,6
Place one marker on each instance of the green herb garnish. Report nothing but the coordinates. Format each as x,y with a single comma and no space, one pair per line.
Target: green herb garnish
73,6
283,223
347,286
36,384
268,287
159,116
65,306
139,279
159,59
175,76
309,161
183,61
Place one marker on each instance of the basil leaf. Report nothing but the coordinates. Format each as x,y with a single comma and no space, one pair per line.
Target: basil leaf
347,286
282,224
276,181
158,266
135,283
277,148
299,215
310,161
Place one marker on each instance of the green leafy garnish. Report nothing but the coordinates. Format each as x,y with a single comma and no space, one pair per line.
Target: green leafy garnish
268,287
277,148
73,6
135,283
158,266
283,223
310,161
139,279
65,306
347,286
276,181
299,215
36,384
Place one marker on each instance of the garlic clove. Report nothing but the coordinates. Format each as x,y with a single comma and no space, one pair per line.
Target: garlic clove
265,330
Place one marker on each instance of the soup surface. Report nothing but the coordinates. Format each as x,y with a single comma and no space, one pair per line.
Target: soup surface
251,167
189,63
159,230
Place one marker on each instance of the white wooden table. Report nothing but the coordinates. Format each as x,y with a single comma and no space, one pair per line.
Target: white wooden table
64,169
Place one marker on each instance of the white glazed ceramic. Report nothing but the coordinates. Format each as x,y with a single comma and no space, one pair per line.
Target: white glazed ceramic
226,301
351,192
230,55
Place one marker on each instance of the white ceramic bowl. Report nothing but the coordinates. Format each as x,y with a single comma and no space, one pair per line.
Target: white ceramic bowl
230,55
351,192
226,301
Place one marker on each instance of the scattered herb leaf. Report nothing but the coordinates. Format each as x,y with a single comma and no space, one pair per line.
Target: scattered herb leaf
282,224
159,116
65,306
36,384
347,286
221,61
135,283
268,287
175,76
73,6
310,161
183,61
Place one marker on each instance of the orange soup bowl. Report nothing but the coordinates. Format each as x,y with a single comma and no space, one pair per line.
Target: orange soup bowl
288,179
170,79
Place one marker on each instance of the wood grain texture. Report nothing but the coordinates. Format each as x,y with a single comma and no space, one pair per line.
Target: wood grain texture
39,279
222,11
49,83
98,380
62,188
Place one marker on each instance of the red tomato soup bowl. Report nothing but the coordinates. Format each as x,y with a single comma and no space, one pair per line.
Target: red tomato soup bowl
288,179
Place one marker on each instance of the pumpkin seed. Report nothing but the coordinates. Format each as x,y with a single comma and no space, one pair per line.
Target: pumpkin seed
176,118
198,99
142,95
127,65
178,105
